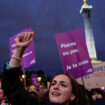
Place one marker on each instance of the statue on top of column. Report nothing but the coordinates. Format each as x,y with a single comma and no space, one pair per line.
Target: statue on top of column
85,3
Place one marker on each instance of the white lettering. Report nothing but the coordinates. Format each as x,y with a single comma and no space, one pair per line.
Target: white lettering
13,45
13,50
65,53
27,54
83,62
68,67
89,70
68,45
32,61
74,65
74,51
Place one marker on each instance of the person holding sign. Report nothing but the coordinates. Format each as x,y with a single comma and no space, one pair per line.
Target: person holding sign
63,90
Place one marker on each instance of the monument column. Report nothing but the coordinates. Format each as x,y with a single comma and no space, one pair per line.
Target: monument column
86,10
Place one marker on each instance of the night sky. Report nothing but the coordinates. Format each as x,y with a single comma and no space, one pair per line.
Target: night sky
47,17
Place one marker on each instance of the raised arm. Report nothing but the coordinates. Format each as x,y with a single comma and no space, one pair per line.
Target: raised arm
11,84
22,41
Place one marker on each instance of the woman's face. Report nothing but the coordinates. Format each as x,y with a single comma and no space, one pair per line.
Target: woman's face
96,95
32,88
61,90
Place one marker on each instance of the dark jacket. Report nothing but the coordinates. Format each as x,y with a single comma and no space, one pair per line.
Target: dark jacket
98,102
15,91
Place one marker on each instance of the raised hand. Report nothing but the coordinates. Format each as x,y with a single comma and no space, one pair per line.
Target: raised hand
24,39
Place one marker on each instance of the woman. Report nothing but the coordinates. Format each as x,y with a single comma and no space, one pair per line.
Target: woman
64,90
33,88
97,97
96,93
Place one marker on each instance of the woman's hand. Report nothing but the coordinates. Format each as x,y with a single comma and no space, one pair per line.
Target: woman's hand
24,39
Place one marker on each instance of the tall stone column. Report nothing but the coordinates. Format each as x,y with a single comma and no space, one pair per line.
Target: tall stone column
86,11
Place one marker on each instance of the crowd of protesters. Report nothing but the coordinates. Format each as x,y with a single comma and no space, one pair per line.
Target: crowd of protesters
62,89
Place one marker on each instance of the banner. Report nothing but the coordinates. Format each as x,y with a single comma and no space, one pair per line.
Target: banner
74,53
34,78
28,58
96,79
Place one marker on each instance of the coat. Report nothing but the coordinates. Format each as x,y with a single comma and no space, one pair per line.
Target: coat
15,91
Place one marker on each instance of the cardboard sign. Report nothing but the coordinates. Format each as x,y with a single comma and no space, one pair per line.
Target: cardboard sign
74,53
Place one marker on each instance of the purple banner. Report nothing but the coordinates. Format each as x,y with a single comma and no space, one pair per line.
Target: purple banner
74,53
29,54
34,80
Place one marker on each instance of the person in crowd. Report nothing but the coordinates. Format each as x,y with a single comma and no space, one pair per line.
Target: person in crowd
3,98
97,97
33,88
63,90
65,86
2,95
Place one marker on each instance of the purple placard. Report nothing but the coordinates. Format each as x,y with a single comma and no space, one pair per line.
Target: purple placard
74,53
34,79
29,54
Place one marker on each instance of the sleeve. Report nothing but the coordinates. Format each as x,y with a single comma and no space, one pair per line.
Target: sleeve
14,90
8,67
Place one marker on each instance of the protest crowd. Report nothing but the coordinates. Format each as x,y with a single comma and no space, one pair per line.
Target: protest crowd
62,89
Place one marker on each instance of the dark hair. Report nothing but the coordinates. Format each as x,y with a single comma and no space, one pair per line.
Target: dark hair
34,86
96,90
81,97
